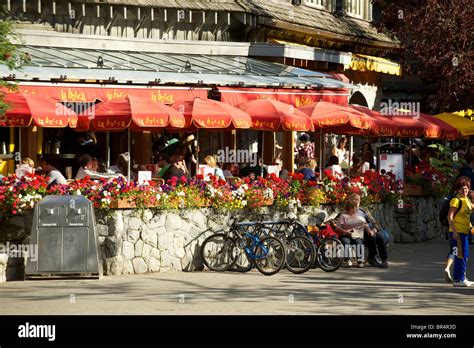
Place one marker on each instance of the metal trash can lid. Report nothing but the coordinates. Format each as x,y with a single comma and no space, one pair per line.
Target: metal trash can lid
65,200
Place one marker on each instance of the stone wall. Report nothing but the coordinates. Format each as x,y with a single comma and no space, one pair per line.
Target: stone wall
133,242
417,221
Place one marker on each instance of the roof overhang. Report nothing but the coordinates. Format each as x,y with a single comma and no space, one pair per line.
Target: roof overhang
75,58
287,50
66,40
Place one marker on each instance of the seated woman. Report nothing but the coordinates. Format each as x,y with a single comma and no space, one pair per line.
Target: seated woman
350,228
175,157
356,164
27,166
308,170
49,165
334,170
212,163
86,164
227,170
121,166
374,237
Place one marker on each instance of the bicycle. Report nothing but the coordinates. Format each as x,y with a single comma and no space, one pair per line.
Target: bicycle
222,250
303,250
300,249
329,251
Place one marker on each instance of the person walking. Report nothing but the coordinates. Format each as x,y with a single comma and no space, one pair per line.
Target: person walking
459,219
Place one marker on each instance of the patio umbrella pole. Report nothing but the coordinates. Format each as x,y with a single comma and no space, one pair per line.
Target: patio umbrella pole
107,142
129,156
320,153
197,151
263,140
351,149
410,153
19,145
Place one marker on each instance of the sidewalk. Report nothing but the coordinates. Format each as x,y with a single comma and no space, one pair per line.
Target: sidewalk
413,284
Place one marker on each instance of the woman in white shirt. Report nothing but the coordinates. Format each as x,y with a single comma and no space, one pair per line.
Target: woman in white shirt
350,227
342,153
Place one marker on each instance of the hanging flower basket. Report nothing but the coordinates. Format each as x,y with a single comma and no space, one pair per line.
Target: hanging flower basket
122,203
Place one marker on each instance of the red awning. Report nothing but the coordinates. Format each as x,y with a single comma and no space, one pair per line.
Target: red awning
274,115
26,110
139,113
295,97
89,93
328,115
212,114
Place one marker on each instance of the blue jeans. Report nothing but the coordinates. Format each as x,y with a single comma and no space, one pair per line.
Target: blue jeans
461,255
451,247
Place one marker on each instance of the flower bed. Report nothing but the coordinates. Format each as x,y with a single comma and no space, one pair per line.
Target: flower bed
17,194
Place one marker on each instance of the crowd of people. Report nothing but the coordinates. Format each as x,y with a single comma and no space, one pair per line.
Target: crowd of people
338,165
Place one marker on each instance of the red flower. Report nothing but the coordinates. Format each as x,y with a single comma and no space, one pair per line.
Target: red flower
173,181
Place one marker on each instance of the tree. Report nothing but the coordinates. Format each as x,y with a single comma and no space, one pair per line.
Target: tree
9,56
437,39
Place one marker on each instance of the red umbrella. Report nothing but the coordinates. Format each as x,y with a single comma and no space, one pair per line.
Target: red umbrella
274,115
207,113
447,131
139,113
380,125
28,109
434,128
336,117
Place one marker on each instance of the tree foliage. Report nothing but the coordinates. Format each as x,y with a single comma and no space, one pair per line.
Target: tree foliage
437,39
10,56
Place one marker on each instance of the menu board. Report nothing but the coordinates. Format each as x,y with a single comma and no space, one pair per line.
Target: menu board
392,162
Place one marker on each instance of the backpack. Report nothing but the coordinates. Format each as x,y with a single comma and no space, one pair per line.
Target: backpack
444,211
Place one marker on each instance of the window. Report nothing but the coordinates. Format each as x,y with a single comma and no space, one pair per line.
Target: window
316,3
355,8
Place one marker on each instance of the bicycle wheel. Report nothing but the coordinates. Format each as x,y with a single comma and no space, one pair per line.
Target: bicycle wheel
269,256
330,255
217,252
242,263
300,254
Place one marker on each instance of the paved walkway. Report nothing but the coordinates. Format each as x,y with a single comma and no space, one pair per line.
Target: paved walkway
413,284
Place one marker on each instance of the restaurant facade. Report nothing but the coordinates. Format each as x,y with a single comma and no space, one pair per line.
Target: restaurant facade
84,52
